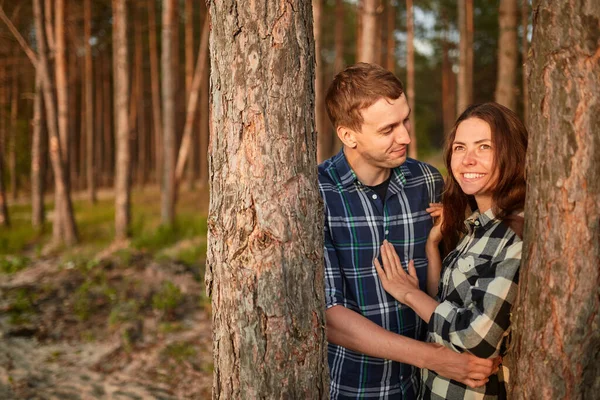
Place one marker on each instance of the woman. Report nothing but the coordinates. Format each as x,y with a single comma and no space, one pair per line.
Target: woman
485,153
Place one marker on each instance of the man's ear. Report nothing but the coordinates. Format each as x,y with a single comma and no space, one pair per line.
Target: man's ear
347,136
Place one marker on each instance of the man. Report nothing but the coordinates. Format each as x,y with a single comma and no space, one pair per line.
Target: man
373,192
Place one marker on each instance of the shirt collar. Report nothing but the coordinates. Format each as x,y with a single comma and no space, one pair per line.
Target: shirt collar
348,177
478,219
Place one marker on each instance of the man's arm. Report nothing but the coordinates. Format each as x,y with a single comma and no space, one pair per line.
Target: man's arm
349,329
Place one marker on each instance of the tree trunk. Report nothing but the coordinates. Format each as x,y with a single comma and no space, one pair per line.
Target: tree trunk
448,82
339,63
107,164
121,88
390,62
557,328
12,137
49,25
63,209
142,137
507,54
465,70
369,38
168,108
4,218
524,52
155,87
410,77
265,265
98,146
192,106
89,102
204,116
324,138
189,77
38,157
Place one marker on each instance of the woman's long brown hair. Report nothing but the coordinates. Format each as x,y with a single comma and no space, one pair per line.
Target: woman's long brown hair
509,140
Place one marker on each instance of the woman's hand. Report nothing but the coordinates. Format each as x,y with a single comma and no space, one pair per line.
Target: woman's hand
393,278
436,212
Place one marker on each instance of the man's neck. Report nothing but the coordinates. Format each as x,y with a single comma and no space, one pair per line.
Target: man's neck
367,174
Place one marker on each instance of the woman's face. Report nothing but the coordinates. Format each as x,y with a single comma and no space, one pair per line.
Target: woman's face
472,161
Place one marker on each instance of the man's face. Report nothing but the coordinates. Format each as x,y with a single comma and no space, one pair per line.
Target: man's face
384,135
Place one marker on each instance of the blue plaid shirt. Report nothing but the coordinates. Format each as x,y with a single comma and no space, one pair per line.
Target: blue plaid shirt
356,223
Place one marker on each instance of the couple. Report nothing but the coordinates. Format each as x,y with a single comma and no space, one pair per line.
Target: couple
380,205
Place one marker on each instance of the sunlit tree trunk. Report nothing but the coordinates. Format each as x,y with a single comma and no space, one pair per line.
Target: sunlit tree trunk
465,68
142,134
169,47
507,54
4,218
189,77
368,33
265,266
63,209
410,77
524,52
204,115
89,102
49,25
12,136
39,149
108,164
448,81
121,93
99,120
155,87
324,138
339,63
390,62
556,333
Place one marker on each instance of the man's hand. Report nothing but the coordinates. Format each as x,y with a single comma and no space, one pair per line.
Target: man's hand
462,367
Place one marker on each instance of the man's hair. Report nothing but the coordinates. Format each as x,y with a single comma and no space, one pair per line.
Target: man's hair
356,88
509,139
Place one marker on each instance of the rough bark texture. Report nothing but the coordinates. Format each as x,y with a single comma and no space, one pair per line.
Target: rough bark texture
265,266
324,137
121,87
507,54
557,328
368,32
465,71
410,77
169,46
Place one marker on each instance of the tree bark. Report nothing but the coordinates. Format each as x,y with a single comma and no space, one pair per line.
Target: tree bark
410,77
155,87
39,164
524,52
121,88
265,266
4,216
204,116
324,138
448,81
142,135
507,54
12,137
390,62
108,164
63,209
465,71
557,327
369,38
89,102
189,77
168,107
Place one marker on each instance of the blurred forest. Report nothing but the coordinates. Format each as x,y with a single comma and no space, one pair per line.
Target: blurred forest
104,138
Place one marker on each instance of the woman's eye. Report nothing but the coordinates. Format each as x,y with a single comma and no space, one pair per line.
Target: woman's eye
457,148
485,147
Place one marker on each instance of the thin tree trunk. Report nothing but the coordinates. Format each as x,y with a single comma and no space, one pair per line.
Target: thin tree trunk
339,63
324,138
265,265
556,333
141,121
99,106
204,115
121,88
189,77
507,54
448,83
155,87
410,77
107,165
465,71
4,218
74,100
63,209
369,38
38,157
168,108
192,106
12,137
390,62
524,52
359,29
89,103
49,25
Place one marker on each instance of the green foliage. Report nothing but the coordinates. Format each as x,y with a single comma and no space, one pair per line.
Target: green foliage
180,351
186,226
167,298
21,307
12,264
124,312
92,295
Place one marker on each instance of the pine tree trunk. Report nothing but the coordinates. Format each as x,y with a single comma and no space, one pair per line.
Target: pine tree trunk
168,107
121,88
89,102
448,81
142,135
108,120
4,218
98,146
524,52
369,38
265,266
390,62
507,54
410,77
204,116
465,71
324,138
155,87
38,157
189,77
12,137
63,209
557,327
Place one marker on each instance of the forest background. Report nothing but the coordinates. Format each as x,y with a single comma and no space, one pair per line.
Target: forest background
104,168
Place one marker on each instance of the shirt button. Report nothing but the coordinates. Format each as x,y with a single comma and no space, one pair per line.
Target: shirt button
374,196
387,232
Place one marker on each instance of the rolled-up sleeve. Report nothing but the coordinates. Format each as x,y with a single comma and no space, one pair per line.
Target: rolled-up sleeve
480,326
333,276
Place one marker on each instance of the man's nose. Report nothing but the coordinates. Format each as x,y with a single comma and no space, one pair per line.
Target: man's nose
402,135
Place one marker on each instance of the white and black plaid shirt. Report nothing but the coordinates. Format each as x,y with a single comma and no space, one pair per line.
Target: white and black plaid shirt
476,293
